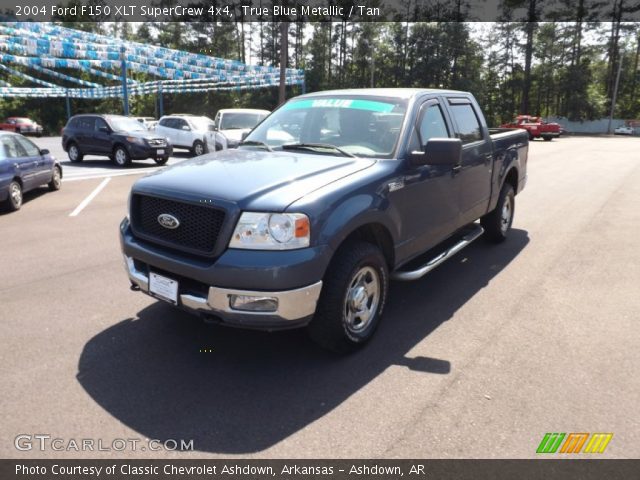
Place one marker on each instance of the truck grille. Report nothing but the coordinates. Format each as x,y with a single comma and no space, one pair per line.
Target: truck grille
198,230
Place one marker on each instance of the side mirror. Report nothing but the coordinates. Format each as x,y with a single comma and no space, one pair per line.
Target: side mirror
215,126
186,128
439,151
104,129
244,135
44,152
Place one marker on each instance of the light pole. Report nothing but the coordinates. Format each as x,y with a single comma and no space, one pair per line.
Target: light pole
615,95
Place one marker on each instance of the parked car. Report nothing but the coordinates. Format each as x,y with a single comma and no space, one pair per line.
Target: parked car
23,167
194,133
536,127
305,226
148,122
234,123
623,131
22,125
120,138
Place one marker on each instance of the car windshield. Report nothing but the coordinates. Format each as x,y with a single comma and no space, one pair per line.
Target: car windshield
125,124
202,123
363,126
231,121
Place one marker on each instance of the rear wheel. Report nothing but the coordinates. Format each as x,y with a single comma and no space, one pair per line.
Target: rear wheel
56,180
497,223
121,157
547,138
14,202
74,153
198,148
353,296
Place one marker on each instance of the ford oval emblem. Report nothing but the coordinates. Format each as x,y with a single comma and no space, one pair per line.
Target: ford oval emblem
168,221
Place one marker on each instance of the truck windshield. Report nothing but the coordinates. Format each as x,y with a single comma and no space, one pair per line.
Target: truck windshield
363,126
233,121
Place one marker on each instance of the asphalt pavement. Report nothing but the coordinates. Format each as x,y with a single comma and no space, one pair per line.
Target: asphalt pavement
479,359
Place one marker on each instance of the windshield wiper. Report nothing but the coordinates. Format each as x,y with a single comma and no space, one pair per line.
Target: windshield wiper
311,146
257,143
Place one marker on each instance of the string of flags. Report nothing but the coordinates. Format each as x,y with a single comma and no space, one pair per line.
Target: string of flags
46,48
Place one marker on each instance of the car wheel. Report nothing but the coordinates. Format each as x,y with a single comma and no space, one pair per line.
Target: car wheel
74,153
161,160
14,202
198,148
497,223
547,139
121,157
353,296
56,180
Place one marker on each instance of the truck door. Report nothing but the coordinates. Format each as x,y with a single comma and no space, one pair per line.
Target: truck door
474,174
428,198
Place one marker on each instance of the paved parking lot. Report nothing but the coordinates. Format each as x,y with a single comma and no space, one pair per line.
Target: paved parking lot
480,358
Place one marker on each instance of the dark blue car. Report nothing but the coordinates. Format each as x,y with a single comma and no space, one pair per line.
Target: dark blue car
23,167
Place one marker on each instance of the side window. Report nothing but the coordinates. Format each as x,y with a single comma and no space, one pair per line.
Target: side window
468,125
29,148
432,124
86,123
179,123
164,122
8,148
16,150
100,123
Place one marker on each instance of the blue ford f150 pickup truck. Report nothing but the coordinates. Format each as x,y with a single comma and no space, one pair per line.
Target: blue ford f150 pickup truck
330,197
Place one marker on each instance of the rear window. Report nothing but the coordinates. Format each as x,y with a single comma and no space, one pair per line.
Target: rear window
468,124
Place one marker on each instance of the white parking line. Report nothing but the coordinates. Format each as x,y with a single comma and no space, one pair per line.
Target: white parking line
83,176
91,196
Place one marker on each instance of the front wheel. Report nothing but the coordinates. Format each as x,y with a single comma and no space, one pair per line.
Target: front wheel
547,139
56,180
497,223
353,296
161,160
121,157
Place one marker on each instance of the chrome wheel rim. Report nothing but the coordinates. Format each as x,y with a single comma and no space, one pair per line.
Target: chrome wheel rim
73,152
121,157
56,177
16,194
361,301
199,149
505,217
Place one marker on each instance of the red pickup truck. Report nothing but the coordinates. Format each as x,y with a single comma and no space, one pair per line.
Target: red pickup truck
536,127
22,125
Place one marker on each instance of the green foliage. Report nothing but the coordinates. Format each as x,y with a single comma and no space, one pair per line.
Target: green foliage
570,70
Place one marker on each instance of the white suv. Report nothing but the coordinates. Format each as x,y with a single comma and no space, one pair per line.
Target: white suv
191,132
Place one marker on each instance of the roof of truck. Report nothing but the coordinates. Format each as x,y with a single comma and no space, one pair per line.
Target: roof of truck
384,92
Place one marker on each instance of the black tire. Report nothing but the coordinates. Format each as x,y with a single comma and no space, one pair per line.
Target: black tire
56,180
497,223
161,160
14,201
547,139
121,157
336,324
74,153
198,148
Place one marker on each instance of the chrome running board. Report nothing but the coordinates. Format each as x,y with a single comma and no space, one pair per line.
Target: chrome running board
434,262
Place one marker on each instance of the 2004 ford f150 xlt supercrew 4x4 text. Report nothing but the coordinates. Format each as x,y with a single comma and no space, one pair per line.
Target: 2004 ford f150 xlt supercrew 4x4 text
330,197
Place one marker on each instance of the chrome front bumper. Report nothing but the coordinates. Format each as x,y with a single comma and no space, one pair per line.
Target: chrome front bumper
294,307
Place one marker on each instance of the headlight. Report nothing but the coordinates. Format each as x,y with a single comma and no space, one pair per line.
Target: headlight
271,231
139,141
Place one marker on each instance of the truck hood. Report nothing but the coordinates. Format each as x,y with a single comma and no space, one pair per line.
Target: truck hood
251,179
